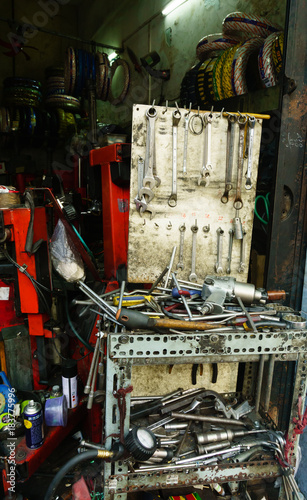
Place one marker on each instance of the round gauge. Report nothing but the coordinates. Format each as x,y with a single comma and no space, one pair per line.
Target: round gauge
141,443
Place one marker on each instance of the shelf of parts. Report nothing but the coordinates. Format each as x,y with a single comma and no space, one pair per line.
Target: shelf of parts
148,348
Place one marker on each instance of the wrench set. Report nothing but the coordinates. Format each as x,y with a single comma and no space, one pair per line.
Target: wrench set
193,183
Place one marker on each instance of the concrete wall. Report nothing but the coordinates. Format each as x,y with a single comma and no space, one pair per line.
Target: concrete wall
188,23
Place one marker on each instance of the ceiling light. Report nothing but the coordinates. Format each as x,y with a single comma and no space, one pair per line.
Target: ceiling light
112,56
172,6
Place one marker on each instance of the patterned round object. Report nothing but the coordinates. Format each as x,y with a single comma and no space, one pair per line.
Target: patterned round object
65,102
277,52
218,74
188,89
212,42
117,63
15,81
239,63
265,62
205,83
70,71
250,25
5,120
107,82
227,90
101,73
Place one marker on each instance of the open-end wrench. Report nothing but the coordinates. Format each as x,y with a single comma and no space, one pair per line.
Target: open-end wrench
238,203
251,128
140,201
185,144
180,264
193,275
229,160
149,181
218,265
242,255
172,201
230,232
207,167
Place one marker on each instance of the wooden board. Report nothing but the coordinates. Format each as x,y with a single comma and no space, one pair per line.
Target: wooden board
151,239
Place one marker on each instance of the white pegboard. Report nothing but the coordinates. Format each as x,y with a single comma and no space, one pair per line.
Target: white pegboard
151,239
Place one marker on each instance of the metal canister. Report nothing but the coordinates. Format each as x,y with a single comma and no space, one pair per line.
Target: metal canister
56,392
33,422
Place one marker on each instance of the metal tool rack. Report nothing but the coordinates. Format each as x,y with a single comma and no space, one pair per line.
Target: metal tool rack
146,348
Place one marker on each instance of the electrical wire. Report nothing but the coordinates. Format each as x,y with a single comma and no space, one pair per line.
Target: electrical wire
61,355
35,283
266,202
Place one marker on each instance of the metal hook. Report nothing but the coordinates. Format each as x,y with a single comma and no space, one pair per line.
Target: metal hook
166,106
221,113
177,106
198,110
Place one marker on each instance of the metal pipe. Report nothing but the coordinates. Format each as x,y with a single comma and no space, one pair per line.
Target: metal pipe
159,279
204,418
259,383
170,266
89,378
184,300
208,455
269,382
92,391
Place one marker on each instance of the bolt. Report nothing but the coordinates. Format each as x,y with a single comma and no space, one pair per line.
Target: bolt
123,339
213,338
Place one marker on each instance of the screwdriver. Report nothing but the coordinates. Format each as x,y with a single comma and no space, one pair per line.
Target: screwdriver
132,300
136,320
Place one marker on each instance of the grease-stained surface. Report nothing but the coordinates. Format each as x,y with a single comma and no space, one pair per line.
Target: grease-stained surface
152,238
156,380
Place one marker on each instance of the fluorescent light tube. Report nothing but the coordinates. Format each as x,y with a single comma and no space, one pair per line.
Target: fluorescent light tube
112,56
172,6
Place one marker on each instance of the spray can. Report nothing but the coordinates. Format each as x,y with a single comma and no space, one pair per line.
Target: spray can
69,382
33,422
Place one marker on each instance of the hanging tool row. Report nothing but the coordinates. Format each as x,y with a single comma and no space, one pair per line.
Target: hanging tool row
195,123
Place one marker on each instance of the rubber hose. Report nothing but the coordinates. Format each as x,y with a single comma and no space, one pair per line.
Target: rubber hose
87,455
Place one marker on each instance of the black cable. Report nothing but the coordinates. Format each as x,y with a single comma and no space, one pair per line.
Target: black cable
87,455
61,356
33,281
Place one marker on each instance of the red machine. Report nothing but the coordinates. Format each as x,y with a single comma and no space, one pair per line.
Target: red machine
114,161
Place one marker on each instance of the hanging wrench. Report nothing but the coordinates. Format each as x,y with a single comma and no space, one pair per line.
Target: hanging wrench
251,128
242,255
172,201
149,181
229,159
180,264
238,203
193,275
140,202
205,171
218,265
228,270
185,144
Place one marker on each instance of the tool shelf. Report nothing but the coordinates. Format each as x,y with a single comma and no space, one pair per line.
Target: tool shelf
125,350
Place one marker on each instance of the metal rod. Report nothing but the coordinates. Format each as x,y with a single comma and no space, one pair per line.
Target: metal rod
259,383
269,382
184,300
92,391
204,418
208,455
251,321
89,378
170,265
61,35
158,280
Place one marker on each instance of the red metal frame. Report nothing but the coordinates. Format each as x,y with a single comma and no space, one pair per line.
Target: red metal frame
34,458
115,209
